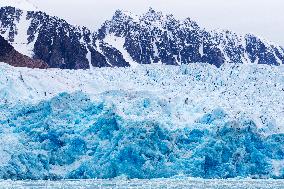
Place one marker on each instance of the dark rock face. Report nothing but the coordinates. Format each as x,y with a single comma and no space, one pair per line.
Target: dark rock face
155,37
98,59
113,56
9,17
5,47
56,42
257,49
10,56
150,38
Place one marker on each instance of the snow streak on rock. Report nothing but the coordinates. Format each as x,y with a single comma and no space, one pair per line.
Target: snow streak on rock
128,40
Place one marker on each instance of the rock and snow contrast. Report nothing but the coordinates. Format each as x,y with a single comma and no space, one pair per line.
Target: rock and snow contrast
143,97
128,40
148,121
155,37
9,55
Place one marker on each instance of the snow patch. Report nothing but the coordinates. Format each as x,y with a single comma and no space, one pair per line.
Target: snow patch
118,43
21,39
201,50
89,58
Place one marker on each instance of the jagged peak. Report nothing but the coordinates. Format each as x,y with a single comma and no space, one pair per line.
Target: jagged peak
154,18
188,22
266,42
122,15
152,15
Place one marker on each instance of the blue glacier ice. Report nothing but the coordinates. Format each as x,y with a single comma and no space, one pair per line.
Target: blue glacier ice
71,136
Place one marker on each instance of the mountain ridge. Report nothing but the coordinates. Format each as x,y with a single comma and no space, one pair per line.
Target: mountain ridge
128,39
183,39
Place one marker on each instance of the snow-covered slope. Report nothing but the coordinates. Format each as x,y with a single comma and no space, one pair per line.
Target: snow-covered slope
150,121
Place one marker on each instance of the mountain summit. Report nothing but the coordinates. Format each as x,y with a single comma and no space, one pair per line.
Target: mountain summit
128,40
155,37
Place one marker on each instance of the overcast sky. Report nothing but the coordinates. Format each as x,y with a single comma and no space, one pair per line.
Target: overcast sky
261,17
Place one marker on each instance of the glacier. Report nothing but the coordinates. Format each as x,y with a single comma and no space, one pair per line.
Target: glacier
188,91
71,137
146,122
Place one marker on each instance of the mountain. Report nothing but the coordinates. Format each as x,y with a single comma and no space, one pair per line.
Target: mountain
10,56
53,40
154,37
128,40
50,39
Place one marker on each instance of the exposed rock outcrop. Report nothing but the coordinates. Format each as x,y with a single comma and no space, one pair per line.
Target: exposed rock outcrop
128,39
12,57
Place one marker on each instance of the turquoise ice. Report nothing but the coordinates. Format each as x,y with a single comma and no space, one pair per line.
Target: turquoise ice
73,137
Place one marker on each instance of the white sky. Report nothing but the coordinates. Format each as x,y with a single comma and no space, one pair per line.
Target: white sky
261,17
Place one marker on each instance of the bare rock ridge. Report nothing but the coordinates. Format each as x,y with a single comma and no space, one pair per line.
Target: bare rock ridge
127,38
10,56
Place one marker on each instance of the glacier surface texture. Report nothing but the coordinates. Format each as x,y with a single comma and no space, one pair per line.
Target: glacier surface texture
106,132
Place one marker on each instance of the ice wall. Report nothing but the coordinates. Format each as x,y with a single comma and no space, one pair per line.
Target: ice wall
72,136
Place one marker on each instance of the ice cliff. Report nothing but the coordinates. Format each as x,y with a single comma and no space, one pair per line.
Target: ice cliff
145,122
71,136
